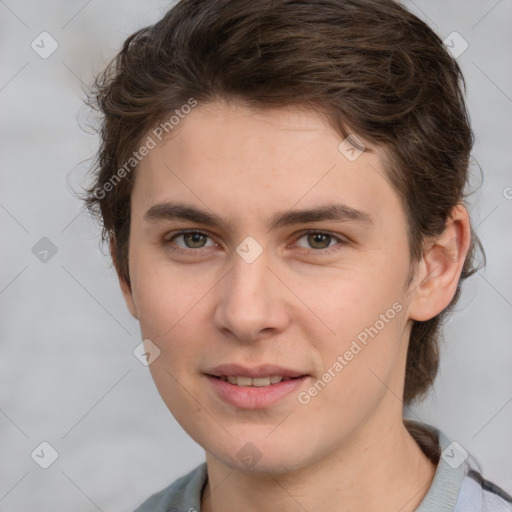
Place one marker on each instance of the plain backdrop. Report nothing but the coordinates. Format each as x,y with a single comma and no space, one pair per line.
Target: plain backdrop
68,376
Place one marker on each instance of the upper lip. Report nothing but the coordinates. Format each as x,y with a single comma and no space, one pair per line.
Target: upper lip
264,370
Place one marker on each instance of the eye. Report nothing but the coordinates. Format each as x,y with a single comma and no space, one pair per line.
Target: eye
320,241
191,239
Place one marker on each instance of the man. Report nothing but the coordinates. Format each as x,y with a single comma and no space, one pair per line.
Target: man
281,184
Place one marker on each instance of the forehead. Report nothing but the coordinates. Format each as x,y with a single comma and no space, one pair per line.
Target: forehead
235,160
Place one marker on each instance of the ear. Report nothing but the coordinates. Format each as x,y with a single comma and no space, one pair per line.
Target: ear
439,270
125,287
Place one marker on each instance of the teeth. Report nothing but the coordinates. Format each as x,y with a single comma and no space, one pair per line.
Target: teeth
256,382
261,381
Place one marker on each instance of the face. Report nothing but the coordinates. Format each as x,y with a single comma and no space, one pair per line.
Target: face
257,287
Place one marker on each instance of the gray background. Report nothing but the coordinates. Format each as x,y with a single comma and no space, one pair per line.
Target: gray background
68,374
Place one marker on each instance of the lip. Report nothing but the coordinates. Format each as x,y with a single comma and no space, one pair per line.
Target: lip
251,397
263,370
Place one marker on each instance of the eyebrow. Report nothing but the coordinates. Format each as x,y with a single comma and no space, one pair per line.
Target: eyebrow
333,212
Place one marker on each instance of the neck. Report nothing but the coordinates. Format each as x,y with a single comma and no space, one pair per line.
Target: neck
383,472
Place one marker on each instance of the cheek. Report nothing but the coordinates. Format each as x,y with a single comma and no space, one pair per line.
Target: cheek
170,306
354,299
367,317
360,369
163,296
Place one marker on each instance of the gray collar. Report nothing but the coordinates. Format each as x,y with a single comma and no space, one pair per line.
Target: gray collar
444,490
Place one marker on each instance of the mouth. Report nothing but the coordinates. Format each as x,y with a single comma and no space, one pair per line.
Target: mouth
258,382
263,371
254,388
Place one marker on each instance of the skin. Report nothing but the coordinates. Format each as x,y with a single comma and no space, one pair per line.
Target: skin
295,306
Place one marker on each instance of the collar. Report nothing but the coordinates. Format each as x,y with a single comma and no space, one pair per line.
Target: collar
445,487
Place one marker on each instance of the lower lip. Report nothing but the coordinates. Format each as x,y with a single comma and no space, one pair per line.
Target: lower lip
252,397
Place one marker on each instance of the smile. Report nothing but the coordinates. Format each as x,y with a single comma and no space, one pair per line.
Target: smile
256,381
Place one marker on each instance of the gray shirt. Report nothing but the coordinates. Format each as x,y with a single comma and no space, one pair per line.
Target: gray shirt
457,486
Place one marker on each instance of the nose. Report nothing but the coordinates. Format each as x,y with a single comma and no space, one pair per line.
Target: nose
251,300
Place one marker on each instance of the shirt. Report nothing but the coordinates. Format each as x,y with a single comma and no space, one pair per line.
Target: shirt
457,486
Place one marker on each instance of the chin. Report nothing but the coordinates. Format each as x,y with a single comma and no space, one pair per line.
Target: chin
260,458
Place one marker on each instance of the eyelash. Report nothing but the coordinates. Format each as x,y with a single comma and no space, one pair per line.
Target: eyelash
169,239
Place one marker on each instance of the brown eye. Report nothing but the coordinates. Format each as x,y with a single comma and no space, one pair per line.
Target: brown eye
191,240
194,240
321,242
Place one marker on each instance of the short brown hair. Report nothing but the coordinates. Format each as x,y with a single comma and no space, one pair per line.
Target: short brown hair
369,67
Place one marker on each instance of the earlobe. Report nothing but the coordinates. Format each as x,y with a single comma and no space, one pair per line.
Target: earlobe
125,287
440,268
